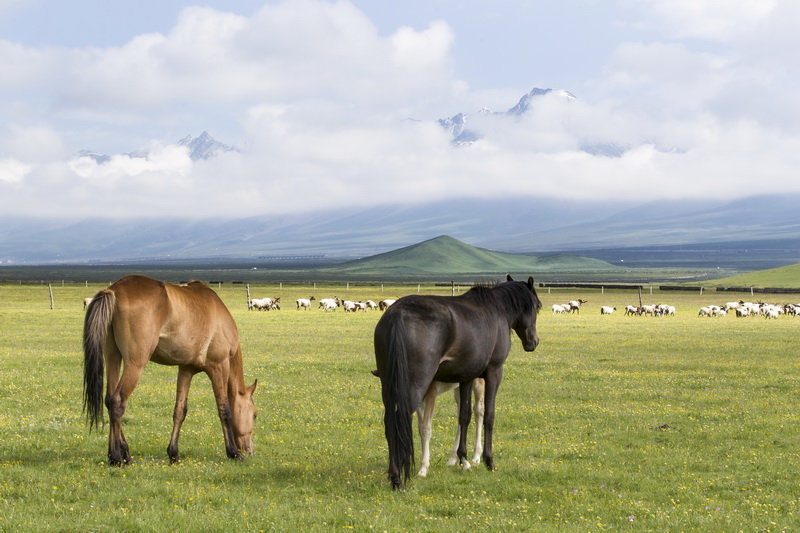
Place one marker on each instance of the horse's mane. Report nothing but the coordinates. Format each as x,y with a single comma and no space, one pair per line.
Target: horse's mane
511,296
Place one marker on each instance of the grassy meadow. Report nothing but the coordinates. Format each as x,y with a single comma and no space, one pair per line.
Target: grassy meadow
783,276
613,423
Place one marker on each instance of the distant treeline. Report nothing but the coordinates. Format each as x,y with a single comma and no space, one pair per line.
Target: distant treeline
590,286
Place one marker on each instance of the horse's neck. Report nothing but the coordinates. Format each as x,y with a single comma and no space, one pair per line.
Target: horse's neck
487,303
236,375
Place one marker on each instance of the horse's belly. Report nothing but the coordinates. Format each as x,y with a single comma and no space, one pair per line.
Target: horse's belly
453,371
170,353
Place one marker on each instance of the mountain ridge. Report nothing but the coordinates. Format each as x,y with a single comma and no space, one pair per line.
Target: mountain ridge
518,225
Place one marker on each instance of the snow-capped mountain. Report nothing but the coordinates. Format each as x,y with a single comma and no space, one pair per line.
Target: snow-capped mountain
457,124
204,146
528,100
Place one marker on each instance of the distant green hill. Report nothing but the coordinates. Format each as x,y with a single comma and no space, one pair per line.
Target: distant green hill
445,255
785,276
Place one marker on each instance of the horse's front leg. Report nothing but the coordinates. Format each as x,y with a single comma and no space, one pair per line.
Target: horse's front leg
464,408
493,377
219,383
185,375
425,420
478,390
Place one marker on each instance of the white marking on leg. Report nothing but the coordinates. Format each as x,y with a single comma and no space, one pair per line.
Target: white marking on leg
425,421
479,390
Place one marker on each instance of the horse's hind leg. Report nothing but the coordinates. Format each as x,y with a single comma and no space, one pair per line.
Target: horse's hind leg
478,392
116,440
453,460
185,375
464,407
116,402
425,420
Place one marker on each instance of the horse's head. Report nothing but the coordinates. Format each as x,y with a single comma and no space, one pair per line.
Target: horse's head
244,415
525,323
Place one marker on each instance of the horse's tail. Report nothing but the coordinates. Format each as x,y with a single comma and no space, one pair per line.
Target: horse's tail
95,330
397,404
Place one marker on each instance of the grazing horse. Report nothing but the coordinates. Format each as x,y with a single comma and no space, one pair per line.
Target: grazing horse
138,319
453,339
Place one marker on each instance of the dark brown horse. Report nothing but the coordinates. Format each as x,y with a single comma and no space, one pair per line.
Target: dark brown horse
138,319
451,339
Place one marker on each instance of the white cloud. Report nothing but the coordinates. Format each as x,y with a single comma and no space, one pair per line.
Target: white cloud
13,171
720,20
164,163
322,101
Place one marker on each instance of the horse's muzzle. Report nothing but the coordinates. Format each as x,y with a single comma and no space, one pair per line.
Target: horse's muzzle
531,344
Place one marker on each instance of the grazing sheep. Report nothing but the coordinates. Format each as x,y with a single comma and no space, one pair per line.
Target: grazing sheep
329,304
575,305
304,303
386,303
606,310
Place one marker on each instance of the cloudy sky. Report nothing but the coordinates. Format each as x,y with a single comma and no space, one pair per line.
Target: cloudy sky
334,104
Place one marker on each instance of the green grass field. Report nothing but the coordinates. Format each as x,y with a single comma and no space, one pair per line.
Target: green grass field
614,423
785,276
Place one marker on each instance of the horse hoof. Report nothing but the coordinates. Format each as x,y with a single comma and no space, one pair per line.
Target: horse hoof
452,462
466,465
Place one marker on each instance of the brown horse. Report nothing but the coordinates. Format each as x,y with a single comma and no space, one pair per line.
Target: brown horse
138,319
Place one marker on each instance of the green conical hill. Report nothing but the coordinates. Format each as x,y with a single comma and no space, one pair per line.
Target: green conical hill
445,255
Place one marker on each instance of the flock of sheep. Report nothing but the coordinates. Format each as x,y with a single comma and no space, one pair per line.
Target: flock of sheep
326,304
574,307
745,309
740,308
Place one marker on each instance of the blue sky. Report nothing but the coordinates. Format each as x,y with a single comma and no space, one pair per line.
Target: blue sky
334,103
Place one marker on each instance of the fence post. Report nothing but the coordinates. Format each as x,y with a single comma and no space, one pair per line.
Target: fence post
248,296
52,300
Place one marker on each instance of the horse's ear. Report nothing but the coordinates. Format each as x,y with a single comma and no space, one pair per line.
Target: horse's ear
530,282
509,278
252,388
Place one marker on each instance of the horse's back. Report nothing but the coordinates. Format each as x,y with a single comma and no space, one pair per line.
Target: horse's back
175,324
447,338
